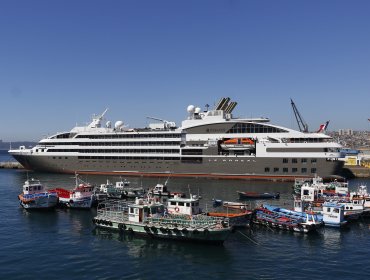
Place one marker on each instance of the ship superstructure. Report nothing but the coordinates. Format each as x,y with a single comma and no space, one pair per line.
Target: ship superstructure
211,143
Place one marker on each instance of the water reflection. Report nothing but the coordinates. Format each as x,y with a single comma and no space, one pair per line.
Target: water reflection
140,246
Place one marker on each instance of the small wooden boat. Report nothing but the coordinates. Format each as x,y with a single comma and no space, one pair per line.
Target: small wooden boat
241,219
256,195
234,205
35,196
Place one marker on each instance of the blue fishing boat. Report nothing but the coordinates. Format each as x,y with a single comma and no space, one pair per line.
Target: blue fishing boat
281,218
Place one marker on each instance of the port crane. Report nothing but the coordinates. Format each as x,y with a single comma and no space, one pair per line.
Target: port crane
303,127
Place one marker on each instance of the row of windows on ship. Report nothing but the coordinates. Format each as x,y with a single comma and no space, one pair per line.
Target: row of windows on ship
286,170
129,135
285,160
152,143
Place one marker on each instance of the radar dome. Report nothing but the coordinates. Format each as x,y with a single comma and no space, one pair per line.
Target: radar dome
118,124
197,110
108,124
191,109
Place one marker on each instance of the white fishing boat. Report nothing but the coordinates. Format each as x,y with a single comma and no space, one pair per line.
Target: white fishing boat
121,189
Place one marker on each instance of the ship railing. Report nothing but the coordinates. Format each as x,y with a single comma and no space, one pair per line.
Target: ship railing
114,210
36,195
197,221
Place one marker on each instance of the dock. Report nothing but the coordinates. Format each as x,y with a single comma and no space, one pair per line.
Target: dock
10,165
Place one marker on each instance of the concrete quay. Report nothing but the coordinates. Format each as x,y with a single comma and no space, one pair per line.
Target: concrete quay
10,165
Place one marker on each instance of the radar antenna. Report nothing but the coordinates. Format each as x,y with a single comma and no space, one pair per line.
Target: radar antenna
303,127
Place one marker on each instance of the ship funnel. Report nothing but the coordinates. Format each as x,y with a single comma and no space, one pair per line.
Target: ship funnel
230,107
223,108
222,103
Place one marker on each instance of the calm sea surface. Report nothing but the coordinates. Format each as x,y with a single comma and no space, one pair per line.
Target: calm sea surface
63,244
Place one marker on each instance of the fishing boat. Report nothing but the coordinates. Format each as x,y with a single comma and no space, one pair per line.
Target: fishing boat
162,190
121,189
333,214
277,217
147,217
257,195
81,196
35,196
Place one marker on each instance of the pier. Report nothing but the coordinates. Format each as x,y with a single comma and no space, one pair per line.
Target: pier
10,165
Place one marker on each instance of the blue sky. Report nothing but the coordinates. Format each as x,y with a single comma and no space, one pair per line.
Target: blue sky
61,61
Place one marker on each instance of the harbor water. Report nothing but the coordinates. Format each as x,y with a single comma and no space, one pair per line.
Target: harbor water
64,244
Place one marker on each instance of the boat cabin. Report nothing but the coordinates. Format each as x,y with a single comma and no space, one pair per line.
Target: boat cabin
160,189
186,206
32,187
140,210
309,193
122,184
333,214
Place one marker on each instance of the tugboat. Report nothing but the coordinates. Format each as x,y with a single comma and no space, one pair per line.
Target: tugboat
82,196
35,196
148,218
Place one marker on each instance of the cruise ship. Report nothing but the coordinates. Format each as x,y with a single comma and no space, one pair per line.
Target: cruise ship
211,143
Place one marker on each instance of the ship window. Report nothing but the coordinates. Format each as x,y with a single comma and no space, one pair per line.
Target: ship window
254,128
285,160
294,170
304,160
132,210
276,169
294,160
304,170
305,192
285,170
181,203
187,204
173,203
267,169
313,160
313,170
328,210
336,210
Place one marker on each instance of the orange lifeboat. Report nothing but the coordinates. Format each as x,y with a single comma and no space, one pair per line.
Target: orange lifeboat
238,143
